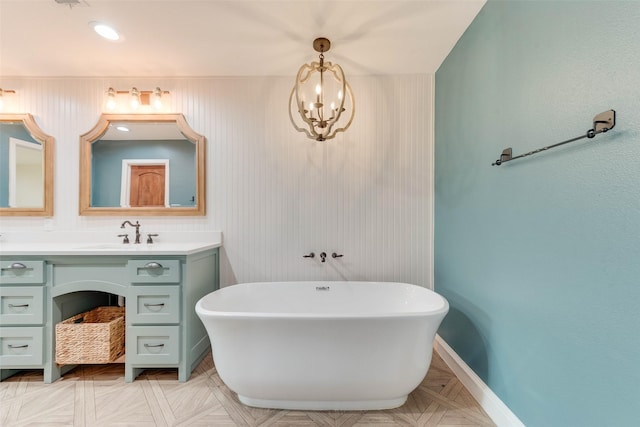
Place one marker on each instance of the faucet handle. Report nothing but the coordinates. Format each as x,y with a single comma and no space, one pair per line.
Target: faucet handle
335,255
309,255
126,238
149,237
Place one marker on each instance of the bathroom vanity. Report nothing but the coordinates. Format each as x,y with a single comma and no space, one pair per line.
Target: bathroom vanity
43,283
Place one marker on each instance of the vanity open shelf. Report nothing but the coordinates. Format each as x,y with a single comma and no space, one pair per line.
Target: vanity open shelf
38,291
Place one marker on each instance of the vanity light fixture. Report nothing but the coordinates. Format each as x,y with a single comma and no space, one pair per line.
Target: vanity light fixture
4,92
111,99
157,98
72,3
321,103
136,98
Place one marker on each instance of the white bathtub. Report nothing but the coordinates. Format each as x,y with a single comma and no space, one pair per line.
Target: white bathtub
322,345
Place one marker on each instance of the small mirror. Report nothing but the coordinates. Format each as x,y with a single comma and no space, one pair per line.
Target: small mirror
142,164
26,167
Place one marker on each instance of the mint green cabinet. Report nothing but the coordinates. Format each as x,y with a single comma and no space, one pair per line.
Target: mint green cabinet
21,315
160,293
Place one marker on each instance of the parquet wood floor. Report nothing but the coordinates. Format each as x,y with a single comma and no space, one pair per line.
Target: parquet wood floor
96,395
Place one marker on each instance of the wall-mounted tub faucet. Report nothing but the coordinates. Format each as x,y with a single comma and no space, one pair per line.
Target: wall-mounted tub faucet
323,256
137,227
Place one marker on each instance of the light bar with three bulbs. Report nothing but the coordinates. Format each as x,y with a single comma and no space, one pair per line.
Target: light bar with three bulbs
136,98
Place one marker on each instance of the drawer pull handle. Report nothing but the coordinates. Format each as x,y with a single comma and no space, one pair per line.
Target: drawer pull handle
146,304
18,346
153,345
18,305
153,265
17,266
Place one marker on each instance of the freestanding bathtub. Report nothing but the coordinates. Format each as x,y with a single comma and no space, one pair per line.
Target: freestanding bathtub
322,345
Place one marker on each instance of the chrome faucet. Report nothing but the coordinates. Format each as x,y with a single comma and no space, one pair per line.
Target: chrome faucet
137,227
323,256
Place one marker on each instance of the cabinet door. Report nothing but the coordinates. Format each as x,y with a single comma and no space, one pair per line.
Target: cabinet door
21,305
21,272
153,304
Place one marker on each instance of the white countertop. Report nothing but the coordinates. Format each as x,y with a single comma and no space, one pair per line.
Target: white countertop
104,243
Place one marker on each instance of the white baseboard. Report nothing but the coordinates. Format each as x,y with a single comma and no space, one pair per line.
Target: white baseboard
492,405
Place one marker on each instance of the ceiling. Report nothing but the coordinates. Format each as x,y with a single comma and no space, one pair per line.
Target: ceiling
228,38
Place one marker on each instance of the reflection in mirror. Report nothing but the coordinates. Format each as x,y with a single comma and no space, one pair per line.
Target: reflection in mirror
147,164
26,167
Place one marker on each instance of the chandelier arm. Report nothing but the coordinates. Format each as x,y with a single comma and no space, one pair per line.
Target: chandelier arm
298,128
300,104
339,76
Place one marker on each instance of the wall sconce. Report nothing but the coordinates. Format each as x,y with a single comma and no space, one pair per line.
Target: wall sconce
4,92
115,99
321,103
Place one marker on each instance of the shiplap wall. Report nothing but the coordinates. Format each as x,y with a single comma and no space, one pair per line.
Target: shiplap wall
274,194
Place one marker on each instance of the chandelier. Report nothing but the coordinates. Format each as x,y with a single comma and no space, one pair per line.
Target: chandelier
321,103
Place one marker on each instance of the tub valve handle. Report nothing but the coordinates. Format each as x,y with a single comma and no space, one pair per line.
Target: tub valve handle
335,255
323,256
309,255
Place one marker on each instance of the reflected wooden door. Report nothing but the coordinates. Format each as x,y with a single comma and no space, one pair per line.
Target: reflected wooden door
147,185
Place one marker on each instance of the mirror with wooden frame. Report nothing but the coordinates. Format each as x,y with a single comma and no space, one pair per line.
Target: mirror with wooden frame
26,167
142,164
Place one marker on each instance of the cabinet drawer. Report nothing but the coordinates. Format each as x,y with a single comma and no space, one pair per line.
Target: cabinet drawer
153,345
153,304
21,305
154,271
21,346
21,272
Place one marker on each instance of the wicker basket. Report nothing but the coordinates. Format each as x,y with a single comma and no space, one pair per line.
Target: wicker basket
95,336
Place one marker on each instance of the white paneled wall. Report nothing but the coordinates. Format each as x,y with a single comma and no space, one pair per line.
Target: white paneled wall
274,194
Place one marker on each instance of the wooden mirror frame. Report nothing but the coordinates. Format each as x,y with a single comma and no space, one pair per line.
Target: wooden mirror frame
87,139
47,142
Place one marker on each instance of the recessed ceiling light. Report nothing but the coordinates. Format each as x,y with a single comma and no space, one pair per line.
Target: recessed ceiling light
105,31
122,128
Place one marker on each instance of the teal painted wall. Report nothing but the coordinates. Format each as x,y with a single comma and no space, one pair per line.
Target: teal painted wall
106,168
9,130
540,257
